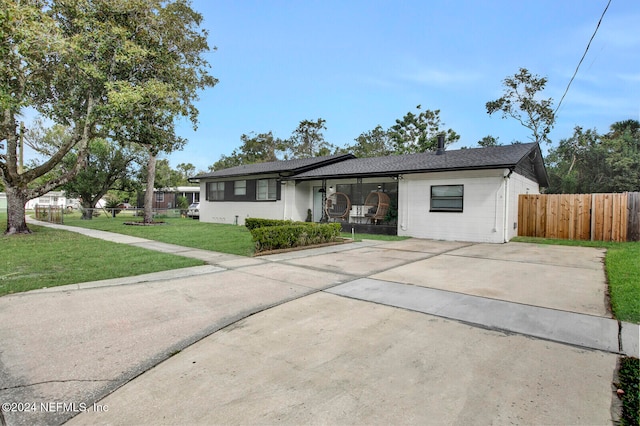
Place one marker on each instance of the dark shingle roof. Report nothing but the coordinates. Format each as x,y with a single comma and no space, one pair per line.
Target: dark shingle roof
461,159
285,167
346,165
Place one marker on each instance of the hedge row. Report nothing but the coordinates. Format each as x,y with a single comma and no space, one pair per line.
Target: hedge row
253,223
296,235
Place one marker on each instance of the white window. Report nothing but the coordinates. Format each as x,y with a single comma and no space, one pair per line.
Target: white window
266,189
447,198
240,187
160,197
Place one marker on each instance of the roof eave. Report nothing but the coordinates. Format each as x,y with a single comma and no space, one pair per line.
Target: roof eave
284,172
405,172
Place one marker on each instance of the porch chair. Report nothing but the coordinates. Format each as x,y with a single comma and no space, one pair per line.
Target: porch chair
377,206
338,206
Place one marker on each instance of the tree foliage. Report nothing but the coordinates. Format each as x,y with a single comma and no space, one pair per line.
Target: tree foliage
57,75
307,140
519,102
488,141
109,167
419,132
186,171
121,68
373,143
255,148
588,162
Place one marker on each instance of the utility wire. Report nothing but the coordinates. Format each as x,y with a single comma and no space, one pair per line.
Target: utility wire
582,59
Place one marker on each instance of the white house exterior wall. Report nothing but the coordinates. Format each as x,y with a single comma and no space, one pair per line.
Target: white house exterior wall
54,198
518,184
482,218
226,211
303,198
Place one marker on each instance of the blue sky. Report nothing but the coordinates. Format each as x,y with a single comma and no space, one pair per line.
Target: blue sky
359,64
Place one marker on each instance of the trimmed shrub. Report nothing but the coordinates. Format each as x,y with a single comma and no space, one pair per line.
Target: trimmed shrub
253,223
294,235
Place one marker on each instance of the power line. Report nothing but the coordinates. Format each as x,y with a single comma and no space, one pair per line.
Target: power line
582,59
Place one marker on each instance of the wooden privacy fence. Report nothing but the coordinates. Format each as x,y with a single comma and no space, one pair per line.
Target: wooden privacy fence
597,217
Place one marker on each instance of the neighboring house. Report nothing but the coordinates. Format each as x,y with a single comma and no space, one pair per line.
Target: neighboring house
53,198
191,193
166,198
465,195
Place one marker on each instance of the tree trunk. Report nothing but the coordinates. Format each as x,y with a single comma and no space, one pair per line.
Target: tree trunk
16,223
87,210
149,195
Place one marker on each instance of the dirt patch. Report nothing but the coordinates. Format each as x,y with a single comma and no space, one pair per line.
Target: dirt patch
144,224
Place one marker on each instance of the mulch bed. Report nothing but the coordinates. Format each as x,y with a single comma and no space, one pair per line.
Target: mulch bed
144,224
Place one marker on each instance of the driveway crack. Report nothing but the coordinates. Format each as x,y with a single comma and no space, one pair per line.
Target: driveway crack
55,381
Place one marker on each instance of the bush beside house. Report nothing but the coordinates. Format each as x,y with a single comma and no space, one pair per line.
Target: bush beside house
271,234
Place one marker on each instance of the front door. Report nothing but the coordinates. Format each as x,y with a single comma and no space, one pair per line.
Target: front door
317,204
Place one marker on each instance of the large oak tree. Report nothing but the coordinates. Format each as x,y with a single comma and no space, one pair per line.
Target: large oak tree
124,69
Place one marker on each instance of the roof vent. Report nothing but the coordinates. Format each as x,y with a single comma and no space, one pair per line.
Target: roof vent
440,150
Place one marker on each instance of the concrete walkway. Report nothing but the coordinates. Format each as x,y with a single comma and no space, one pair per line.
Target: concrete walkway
294,338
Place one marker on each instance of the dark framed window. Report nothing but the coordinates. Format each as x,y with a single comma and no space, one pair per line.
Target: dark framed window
160,197
447,198
240,187
215,191
266,189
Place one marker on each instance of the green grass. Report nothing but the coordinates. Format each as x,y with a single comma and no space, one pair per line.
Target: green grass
192,233
629,376
181,231
50,258
622,263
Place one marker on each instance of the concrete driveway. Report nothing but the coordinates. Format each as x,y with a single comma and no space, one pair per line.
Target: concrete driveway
361,333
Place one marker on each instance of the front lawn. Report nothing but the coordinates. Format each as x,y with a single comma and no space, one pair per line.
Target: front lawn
222,238
622,264
181,231
50,258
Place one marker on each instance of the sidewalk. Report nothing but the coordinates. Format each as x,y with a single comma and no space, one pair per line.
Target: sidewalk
318,335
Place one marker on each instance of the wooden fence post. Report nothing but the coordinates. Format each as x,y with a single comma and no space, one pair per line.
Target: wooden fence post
633,211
